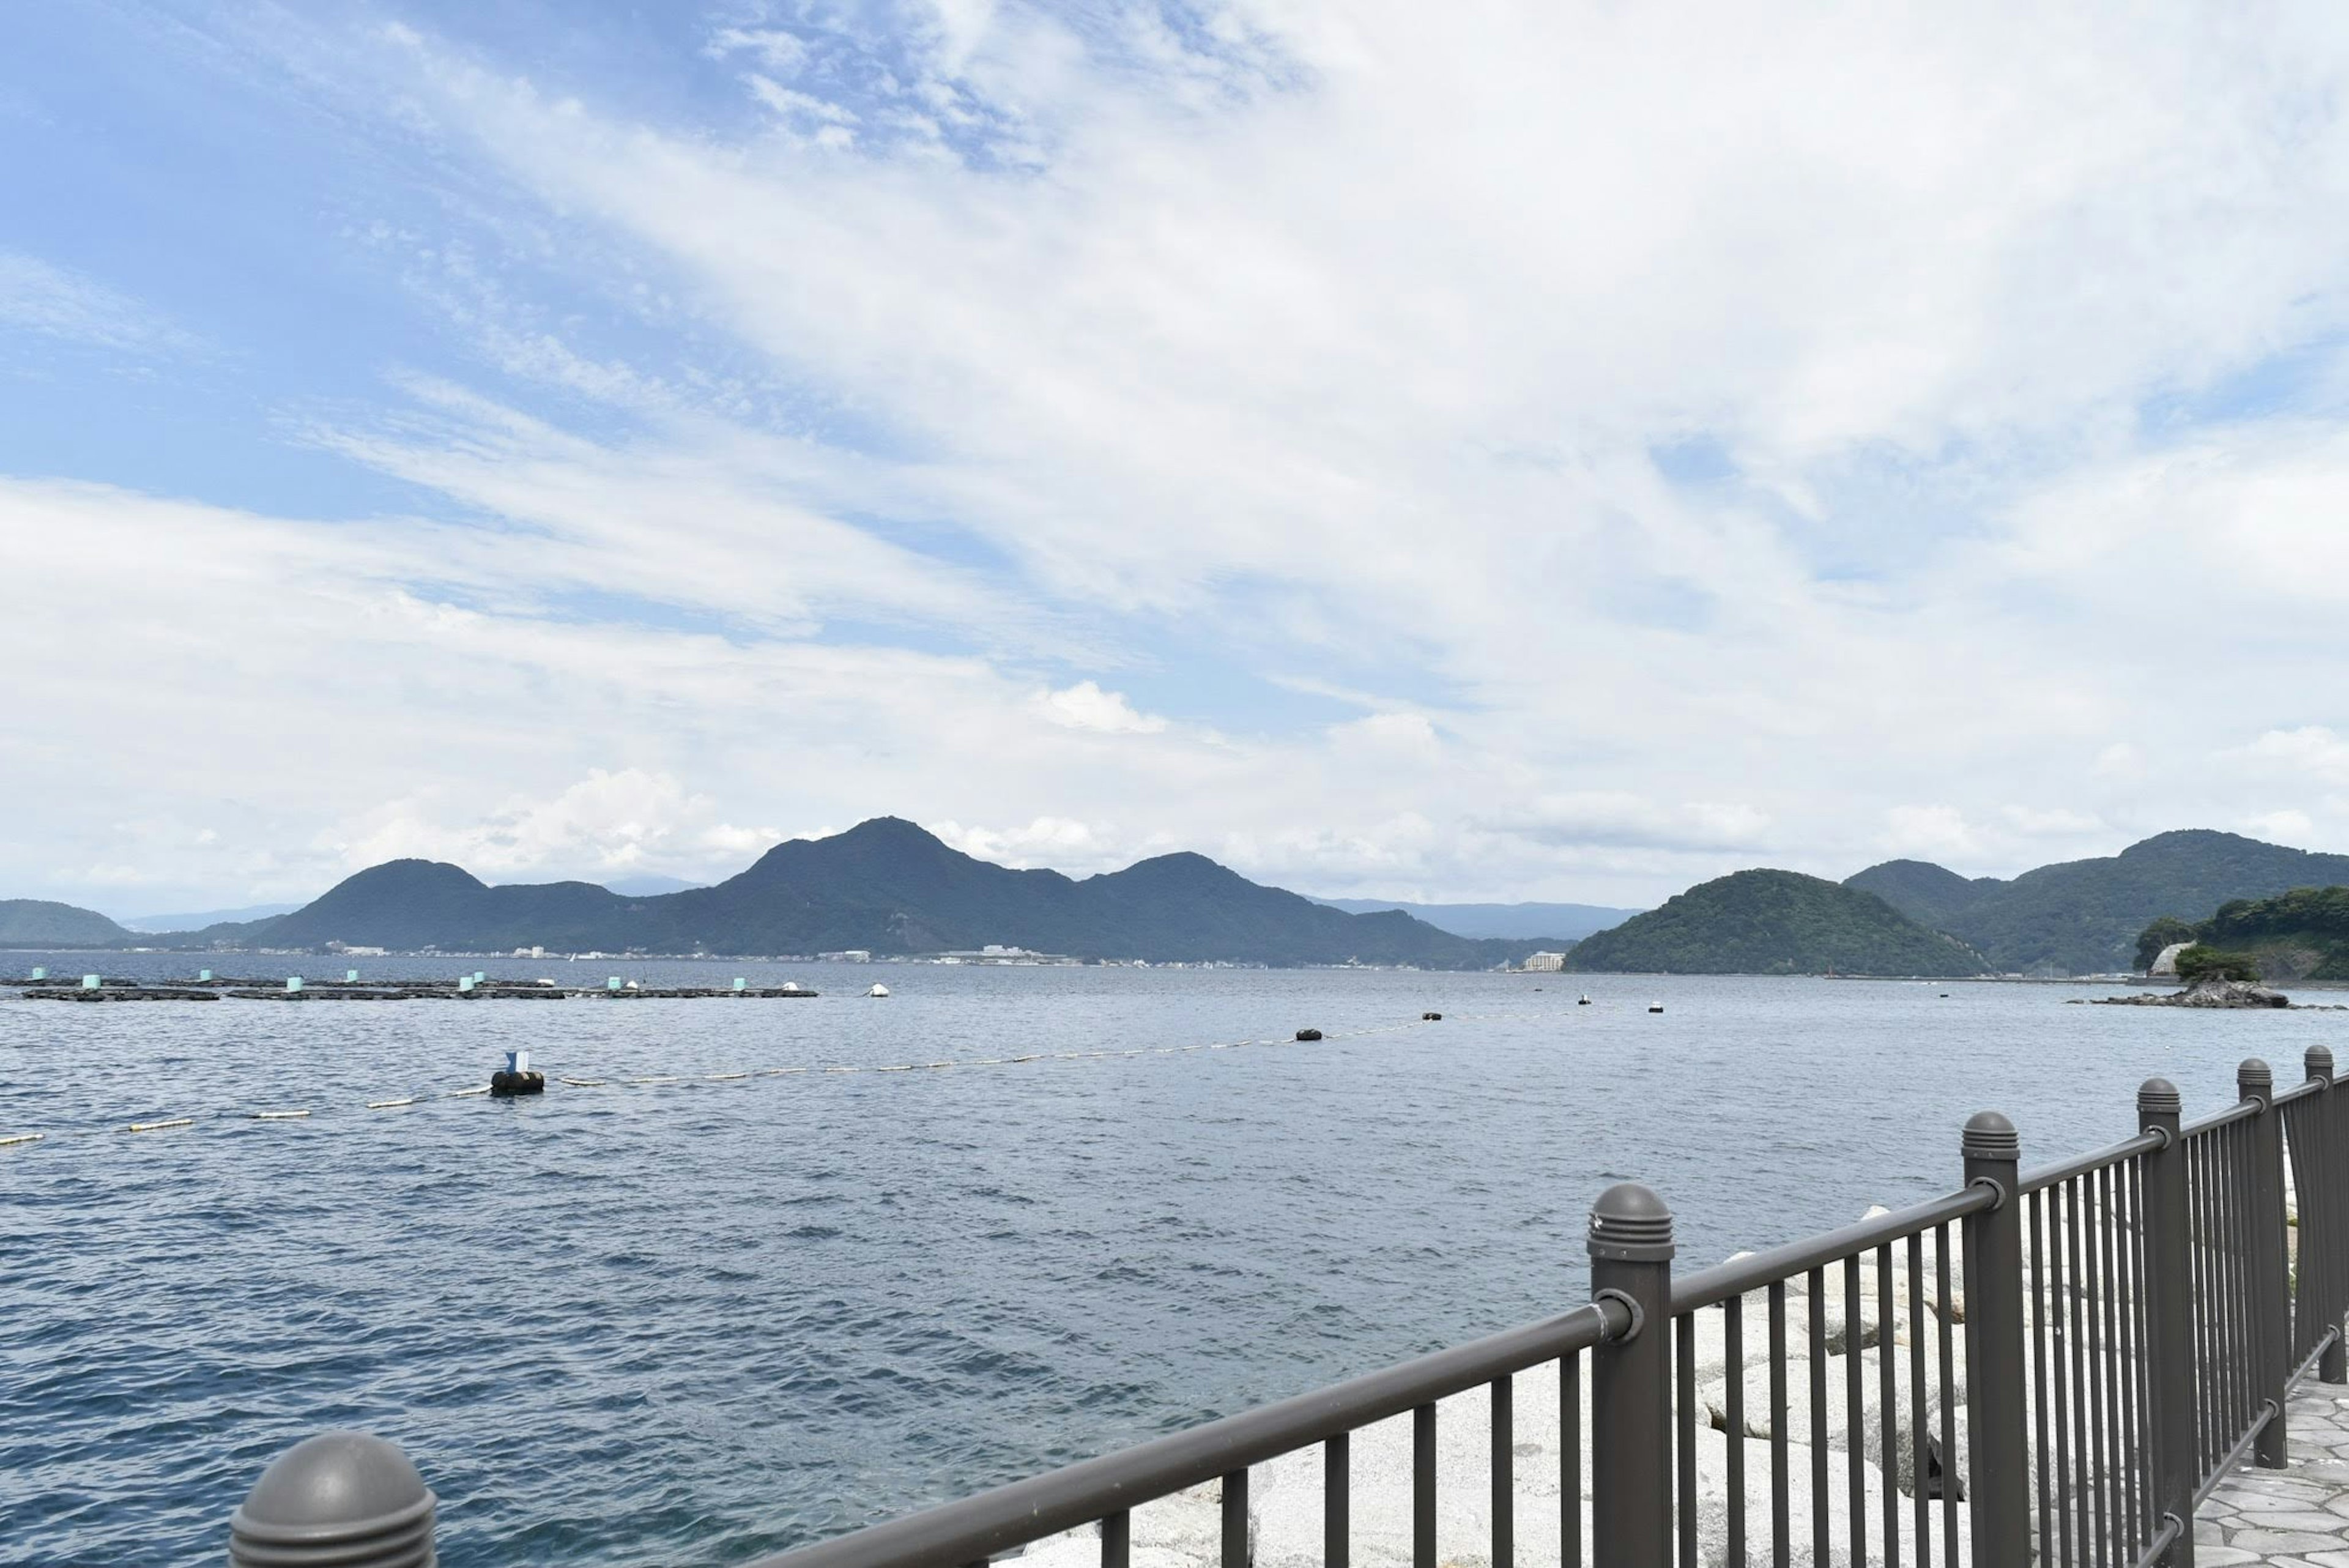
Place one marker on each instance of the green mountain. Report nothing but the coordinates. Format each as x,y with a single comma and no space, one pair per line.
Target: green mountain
36,923
1921,890
1576,920
1773,922
2301,934
2083,916
886,886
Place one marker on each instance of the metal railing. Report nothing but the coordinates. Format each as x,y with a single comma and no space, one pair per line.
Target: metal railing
2055,1367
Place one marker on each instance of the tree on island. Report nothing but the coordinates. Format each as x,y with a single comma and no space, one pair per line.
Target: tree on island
2203,961
2164,932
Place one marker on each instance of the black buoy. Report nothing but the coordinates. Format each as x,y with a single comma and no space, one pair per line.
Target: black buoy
1584,1002
1431,1018
1655,1007
517,1078
1309,1034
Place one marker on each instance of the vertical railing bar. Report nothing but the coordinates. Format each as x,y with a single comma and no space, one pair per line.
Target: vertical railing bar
1117,1540
1338,1501
2123,1293
1920,1431
1570,1459
2076,1353
2204,1305
1888,1316
2091,1353
1684,1429
2108,1503
2223,1232
1855,1410
2141,1418
1817,1340
1235,1520
1423,1487
2038,1218
2238,1320
1949,1468
1505,1480
2067,1483
1733,1345
1782,1543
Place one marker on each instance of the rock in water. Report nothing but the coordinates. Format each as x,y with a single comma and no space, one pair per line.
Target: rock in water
2210,992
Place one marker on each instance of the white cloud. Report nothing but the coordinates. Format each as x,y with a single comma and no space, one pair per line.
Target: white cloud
1929,831
2285,826
615,824
1085,706
2309,751
2051,821
1342,340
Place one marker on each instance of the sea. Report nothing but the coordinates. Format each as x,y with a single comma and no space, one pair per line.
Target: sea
754,1272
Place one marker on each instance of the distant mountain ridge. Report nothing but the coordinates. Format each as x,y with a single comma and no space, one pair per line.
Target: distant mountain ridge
38,923
886,886
2083,916
1774,922
1570,921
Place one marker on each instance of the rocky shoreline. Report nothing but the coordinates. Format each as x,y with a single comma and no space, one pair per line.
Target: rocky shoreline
2235,994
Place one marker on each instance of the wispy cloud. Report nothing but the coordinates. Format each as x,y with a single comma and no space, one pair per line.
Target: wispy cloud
39,298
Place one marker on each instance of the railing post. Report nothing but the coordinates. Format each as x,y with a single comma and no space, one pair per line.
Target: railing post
1630,1387
2319,1265
2263,1249
1998,1476
2170,1322
342,1499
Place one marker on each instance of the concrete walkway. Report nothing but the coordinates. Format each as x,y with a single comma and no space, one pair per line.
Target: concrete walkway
2297,1517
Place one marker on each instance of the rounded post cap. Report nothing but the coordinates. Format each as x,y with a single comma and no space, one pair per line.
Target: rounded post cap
2318,1060
2159,1097
1990,1135
2253,1080
341,1498
1631,1224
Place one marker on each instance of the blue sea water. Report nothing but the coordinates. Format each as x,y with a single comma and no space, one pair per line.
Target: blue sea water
696,1322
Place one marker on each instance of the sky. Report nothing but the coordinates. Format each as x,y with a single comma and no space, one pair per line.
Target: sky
1558,452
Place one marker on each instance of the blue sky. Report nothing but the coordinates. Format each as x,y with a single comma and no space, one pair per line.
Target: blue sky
1543,455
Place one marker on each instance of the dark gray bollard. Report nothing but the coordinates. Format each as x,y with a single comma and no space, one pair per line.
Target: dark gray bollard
1999,1480
1630,1380
340,1498
2170,1320
2318,1229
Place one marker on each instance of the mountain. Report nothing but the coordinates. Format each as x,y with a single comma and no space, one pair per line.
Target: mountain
1773,922
1569,921
886,886
1921,890
2083,916
36,923
2301,934
202,917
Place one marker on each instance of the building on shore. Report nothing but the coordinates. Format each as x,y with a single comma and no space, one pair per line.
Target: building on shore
1544,963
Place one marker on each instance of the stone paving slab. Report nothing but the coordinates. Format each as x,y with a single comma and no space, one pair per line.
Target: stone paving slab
2297,1517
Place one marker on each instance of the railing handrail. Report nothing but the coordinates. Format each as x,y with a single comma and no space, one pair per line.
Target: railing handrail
2240,1111
2047,1176
1711,1287
970,1529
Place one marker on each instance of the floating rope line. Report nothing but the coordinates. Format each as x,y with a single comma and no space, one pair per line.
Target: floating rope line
736,1076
